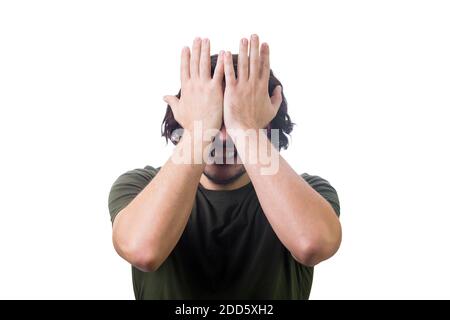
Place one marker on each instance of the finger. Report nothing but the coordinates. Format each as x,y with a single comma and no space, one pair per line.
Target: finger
264,62
218,70
254,57
205,60
185,58
276,98
243,60
230,78
195,57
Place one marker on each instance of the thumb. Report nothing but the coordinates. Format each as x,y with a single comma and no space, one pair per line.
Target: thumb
276,97
171,100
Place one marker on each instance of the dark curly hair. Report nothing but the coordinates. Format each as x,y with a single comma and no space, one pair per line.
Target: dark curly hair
282,121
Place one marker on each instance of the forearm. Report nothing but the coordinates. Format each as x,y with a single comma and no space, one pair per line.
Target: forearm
302,219
147,230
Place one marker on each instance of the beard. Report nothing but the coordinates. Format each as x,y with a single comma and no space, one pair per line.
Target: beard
224,180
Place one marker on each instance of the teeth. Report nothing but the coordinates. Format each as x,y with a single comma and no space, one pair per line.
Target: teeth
224,153
229,154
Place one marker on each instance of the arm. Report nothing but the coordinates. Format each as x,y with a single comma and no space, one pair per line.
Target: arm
147,230
149,227
302,219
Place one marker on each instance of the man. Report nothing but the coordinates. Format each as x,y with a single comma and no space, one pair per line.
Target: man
196,229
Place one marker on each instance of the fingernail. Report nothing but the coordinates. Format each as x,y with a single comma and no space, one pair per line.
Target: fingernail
244,41
254,36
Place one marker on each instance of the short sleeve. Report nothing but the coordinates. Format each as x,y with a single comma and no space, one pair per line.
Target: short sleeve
324,188
127,187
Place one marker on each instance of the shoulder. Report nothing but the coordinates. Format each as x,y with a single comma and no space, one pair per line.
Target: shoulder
324,188
127,186
139,175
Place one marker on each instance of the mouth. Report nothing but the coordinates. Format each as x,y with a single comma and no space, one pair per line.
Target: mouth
224,156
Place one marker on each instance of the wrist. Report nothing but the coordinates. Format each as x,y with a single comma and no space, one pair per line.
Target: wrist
237,131
202,128
191,148
241,127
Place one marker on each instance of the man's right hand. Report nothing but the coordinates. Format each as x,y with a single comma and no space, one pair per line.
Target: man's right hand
201,95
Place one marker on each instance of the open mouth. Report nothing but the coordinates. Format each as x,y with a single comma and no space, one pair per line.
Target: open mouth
224,156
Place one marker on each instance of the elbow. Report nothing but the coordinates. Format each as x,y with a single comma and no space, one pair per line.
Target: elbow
307,254
146,265
141,256
144,261
311,252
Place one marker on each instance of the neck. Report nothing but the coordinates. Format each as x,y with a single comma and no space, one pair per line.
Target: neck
239,182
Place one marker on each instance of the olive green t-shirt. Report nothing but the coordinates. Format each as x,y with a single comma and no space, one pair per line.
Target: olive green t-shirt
228,249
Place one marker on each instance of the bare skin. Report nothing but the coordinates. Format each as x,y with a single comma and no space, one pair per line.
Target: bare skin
302,219
147,230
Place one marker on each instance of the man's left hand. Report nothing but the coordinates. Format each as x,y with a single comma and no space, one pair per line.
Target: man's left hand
247,104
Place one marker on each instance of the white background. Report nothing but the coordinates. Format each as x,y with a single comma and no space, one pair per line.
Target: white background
81,86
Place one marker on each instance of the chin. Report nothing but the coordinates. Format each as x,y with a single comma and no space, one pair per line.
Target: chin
224,173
